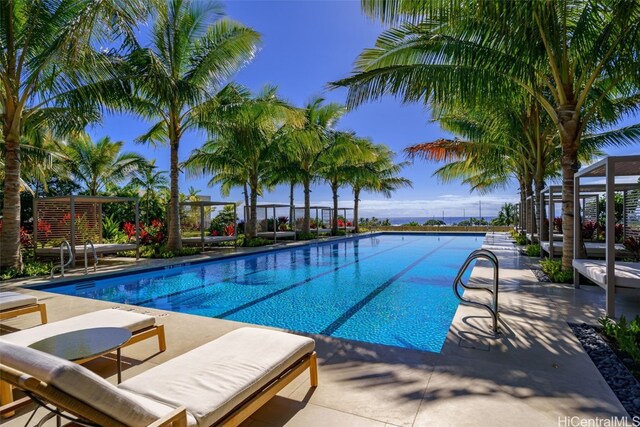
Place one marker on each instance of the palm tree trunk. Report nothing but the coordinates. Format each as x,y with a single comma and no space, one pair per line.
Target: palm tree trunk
539,186
334,225
307,206
356,201
292,212
174,241
252,225
569,166
10,256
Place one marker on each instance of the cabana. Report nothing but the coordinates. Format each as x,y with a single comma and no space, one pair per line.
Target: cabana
202,210
347,228
320,214
268,223
78,221
590,207
614,277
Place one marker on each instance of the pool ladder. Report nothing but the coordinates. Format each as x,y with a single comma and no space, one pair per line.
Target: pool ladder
62,263
493,308
95,257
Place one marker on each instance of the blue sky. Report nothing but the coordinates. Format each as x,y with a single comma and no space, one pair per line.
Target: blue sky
306,44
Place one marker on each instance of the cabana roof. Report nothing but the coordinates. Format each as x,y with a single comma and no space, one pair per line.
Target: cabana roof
593,188
623,165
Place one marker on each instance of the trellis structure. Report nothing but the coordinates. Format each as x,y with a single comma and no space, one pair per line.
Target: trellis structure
76,219
267,222
202,208
589,210
320,216
614,277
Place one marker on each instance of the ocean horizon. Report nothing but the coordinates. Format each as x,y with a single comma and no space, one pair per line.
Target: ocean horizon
449,220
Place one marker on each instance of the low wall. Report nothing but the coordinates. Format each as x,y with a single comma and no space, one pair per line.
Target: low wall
445,228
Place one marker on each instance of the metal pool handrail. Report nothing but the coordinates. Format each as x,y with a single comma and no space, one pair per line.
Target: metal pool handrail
492,309
95,257
62,263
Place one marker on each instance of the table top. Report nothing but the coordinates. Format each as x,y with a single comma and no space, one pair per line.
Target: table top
83,343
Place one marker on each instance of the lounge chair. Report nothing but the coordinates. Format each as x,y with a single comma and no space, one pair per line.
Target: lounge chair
14,304
222,382
141,326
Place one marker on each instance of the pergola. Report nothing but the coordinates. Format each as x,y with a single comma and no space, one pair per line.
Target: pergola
611,275
553,194
78,220
201,206
344,214
273,208
320,213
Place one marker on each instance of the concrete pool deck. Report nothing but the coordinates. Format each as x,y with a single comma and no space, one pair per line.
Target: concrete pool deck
535,373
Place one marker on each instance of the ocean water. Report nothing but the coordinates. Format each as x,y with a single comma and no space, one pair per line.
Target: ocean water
449,220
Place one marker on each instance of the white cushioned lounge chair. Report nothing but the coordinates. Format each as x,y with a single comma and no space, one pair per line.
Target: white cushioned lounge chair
219,383
141,326
14,304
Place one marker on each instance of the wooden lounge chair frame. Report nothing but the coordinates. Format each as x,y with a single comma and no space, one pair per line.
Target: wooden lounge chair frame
176,418
6,392
25,309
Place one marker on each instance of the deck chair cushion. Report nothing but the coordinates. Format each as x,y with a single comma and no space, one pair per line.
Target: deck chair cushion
214,378
97,319
9,300
82,384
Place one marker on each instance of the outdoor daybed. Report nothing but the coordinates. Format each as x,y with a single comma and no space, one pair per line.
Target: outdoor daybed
101,249
277,235
14,304
141,326
594,249
627,273
222,382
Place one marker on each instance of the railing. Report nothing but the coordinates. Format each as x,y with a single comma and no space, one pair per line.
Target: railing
95,257
62,263
493,309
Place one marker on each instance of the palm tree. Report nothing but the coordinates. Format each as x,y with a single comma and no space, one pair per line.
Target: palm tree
192,53
99,163
377,174
305,146
152,182
244,145
577,60
53,76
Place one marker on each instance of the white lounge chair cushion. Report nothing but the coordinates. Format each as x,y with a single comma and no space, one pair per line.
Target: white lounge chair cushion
213,379
97,319
79,382
9,300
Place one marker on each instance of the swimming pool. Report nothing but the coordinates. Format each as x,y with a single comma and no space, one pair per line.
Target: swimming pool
391,289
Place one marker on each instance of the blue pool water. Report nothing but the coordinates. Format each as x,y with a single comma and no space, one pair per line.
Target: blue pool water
390,289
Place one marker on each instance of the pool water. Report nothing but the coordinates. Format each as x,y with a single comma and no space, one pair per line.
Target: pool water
391,289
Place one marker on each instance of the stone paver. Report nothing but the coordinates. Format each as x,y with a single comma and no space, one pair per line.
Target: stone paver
531,374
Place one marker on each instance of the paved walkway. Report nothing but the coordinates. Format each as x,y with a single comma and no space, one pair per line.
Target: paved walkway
534,373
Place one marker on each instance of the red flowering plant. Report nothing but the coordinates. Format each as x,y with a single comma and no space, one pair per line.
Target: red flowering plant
155,231
230,230
588,228
25,237
44,231
129,230
557,224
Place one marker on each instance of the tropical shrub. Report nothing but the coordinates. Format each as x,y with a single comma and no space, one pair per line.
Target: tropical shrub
223,223
30,268
533,250
626,336
521,239
633,245
557,225
588,229
258,241
306,236
472,222
410,224
434,222
553,269
110,228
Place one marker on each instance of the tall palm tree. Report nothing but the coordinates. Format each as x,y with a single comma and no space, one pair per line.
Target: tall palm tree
377,174
576,59
305,146
193,52
52,75
152,182
244,145
99,163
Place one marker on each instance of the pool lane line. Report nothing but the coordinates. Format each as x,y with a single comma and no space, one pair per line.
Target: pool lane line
302,282
336,324
228,279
